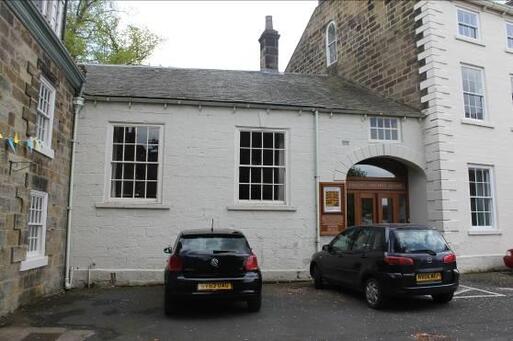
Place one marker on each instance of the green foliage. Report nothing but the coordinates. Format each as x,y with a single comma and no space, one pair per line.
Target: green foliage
93,35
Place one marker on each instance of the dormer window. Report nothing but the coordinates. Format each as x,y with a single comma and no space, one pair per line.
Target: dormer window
53,12
331,43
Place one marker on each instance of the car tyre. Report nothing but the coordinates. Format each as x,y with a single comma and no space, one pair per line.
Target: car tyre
443,298
169,304
317,277
254,304
374,294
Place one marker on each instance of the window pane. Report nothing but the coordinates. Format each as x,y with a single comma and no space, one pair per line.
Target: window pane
279,157
244,174
140,189
118,134
140,172
117,152
279,192
268,157
129,152
256,175
142,135
153,153
256,157
130,135
152,172
256,139
279,140
153,135
256,192
128,172
117,171
268,175
128,189
244,139
115,191
151,189
244,192
268,140
244,156
279,175
267,193
140,153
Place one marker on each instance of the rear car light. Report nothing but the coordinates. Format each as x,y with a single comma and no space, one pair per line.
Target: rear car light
251,263
175,263
450,258
394,260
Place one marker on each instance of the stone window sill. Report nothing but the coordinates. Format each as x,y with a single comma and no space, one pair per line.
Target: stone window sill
470,40
477,123
490,232
132,205
48,152
281,208
508,50
33,263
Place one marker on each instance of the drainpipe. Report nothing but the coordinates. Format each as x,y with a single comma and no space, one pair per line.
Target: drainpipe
316,182
78,103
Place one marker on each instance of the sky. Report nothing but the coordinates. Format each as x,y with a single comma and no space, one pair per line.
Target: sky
217,34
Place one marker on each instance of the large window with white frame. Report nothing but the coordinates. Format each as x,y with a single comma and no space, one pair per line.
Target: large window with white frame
53,12
509,35
481,196
384,129
262,166
473,92
135,161
468,24
331,43
45,113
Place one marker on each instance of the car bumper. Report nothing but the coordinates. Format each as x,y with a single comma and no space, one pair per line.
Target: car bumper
247,286
405,284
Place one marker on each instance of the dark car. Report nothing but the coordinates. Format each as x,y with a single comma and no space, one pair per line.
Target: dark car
388,260
212,264
508,259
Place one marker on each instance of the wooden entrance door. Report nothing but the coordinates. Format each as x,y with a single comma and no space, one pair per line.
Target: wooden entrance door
374,207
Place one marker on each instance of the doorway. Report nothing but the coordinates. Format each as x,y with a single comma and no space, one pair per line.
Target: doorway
377,192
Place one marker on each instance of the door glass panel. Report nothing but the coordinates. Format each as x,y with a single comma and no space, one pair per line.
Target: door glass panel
403,216
367,216
387,210
350,209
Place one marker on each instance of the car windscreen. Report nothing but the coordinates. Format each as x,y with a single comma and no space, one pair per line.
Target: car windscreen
214,244
418,241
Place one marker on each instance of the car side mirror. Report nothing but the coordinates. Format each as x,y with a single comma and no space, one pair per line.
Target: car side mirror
326,248
168,250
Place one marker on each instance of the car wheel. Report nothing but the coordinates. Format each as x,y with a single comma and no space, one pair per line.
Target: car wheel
254,304
374,294
169,304
317,277
443,298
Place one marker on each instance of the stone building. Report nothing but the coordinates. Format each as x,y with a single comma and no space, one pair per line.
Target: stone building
38,82
452,60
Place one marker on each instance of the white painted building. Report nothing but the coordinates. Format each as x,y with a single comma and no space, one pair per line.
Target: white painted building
292,159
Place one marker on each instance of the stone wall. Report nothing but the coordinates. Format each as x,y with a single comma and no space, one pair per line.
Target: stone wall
375,46
22,61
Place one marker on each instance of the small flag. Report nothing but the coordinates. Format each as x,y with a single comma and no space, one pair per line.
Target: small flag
10,142
30,144
16,138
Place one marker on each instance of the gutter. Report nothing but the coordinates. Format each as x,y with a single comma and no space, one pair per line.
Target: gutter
316,183
78,103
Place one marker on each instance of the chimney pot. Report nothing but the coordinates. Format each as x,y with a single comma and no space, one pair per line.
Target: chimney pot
268,22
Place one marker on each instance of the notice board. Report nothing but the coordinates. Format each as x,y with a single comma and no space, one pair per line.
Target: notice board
332,208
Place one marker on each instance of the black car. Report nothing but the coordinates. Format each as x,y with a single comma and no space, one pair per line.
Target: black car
388,260
212,264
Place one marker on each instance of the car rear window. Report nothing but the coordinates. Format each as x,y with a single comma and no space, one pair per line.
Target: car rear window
214,244
411,241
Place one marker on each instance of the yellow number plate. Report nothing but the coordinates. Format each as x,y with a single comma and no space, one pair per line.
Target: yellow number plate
215,286
429,277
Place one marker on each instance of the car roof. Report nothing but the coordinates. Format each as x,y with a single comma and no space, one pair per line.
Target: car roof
213,232
400,226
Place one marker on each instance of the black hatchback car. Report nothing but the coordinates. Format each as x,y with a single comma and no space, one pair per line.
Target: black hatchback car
388,260
212,264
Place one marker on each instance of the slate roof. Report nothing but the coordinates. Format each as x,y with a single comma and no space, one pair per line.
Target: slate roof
325,93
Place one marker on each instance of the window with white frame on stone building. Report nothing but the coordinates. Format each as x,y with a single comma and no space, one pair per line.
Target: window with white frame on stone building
509,35
384,129
481,196
36,231
262,166
53,12
135,162
331,43
45,113
473,92
468,24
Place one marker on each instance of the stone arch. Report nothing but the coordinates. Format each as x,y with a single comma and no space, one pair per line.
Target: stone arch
395,151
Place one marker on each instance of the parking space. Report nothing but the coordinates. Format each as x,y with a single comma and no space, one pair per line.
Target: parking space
290,311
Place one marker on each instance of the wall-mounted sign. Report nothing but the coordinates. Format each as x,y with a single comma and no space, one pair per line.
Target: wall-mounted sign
333,208
332,199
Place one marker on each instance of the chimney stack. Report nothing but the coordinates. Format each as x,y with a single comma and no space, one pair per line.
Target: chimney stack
269,47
